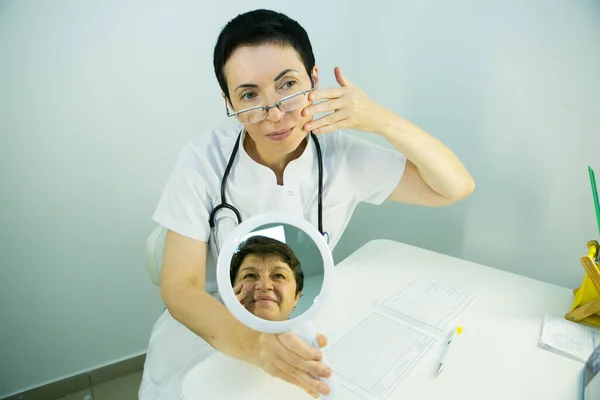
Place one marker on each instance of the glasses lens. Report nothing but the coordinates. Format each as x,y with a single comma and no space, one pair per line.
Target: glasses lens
294,103
252,116
256,115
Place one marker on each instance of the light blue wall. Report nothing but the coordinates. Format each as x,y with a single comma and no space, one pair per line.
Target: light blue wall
97,98
513,88
312,288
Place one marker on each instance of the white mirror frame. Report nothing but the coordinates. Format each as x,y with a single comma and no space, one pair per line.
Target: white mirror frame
224,280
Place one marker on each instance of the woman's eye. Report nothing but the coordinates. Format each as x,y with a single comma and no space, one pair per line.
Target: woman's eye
248,276
279,276
248,96
288,84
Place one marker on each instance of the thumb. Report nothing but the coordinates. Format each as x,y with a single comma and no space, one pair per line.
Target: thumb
341,79
322,340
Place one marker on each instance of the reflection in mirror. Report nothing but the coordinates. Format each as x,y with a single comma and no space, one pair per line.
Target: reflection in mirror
276,272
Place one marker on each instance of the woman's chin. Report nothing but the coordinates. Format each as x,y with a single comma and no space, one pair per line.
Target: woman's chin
268,315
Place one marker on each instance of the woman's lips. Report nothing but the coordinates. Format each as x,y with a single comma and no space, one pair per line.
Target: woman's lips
279,136
264,300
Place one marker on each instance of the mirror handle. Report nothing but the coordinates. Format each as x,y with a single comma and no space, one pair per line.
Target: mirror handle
306,331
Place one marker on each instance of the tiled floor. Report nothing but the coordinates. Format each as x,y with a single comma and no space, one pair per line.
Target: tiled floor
124,388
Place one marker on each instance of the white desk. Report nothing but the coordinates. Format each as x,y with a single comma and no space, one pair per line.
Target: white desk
497,356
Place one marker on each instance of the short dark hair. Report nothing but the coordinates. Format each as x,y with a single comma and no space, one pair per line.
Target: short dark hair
263,245
259,27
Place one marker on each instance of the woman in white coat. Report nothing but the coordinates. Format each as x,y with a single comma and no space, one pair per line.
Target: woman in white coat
265,66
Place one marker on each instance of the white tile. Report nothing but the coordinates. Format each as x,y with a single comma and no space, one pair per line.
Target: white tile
123,388
83,395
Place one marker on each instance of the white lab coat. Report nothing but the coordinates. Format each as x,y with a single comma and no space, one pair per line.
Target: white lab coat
172,352
354,170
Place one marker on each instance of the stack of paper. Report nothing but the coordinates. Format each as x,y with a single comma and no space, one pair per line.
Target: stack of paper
568,338
375,356
591,380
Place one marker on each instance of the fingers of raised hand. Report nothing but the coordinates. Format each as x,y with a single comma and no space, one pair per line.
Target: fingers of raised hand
331,124
329,93
324,106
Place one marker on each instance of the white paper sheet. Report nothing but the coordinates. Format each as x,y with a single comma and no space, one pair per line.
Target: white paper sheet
432,303
373,358
568,338
380,350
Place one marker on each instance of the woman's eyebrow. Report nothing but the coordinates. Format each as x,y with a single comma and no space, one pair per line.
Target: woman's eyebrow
247,267
282,73
281,267
253,85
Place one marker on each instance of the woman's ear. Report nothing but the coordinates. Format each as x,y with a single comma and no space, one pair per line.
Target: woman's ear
297,298
315,76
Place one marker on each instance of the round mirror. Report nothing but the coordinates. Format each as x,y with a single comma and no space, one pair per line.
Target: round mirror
274,272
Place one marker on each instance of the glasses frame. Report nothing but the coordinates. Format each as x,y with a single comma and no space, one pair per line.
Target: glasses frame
267,108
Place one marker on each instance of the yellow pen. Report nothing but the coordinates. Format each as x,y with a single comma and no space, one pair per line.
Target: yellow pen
455,334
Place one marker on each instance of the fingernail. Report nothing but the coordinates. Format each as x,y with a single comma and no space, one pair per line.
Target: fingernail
309,126
328,372
318,356
323,388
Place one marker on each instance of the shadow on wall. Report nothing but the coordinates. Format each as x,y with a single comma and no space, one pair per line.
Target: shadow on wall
435,229
517,104
413,82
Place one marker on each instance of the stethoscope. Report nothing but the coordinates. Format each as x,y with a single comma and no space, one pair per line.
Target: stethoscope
225,205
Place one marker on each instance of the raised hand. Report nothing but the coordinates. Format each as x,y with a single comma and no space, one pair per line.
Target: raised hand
352,108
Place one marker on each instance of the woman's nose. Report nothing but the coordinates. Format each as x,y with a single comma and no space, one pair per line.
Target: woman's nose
264,284
275,114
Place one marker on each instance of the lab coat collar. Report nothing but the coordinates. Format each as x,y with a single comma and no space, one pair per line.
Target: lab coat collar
296,171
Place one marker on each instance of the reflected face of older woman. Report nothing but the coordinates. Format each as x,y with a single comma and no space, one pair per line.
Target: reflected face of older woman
269,285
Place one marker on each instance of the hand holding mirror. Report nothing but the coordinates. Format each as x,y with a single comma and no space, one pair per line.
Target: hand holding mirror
274,272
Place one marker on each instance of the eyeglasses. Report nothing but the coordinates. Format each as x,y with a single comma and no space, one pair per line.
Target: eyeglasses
256,114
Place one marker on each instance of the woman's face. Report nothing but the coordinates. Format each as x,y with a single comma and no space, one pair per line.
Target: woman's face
262,75
270,286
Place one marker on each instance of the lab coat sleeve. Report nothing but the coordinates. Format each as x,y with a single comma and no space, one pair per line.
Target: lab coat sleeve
185,202
374,170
